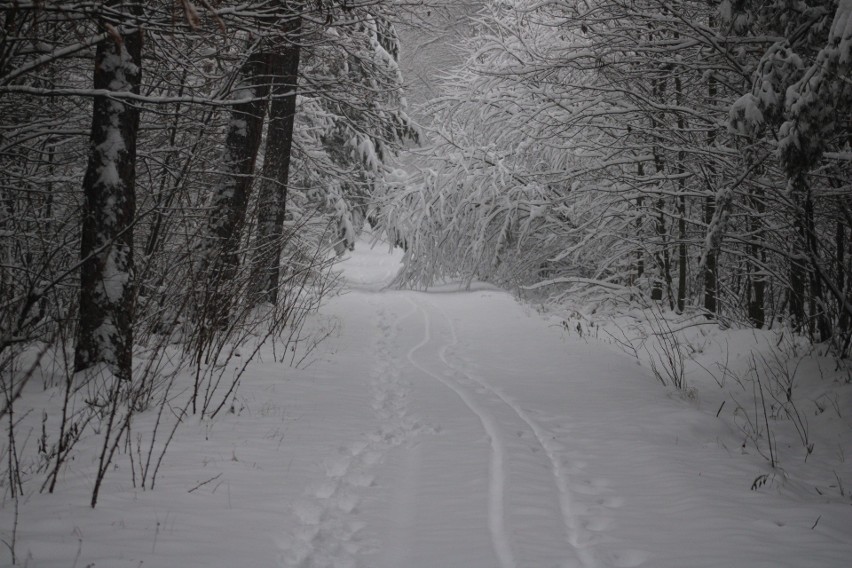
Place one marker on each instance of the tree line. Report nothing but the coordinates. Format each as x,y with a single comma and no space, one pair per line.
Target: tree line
173,174
696,152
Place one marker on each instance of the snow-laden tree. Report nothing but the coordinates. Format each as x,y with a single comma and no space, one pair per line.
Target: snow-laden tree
356,85
204,174
557,98
798,110
347,65
498,170
620,131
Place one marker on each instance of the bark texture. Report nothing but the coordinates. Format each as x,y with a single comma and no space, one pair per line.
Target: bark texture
272,196
107,283
231,194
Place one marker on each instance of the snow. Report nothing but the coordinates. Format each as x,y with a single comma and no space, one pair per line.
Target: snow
812,100
364,150
105,335
239,126
113,145
841,31
745,117
115,276
454,429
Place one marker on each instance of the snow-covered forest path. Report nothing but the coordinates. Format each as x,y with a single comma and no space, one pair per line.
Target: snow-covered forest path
497,441
446,429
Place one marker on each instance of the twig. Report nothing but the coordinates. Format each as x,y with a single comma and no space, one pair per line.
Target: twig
203,483
816,522
765,415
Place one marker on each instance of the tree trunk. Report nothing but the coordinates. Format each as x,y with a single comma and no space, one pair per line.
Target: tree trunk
681,205
682,255
797,264
640,253
817,296
662,257
272,197
710,281
230,196
757,303
840,245
107,282
664,261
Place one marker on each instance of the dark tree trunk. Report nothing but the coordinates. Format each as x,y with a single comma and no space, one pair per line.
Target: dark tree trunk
272,197
662,257
640,253
230,196
107,282
681,207
710,281
682,255
840,244
817,296
797,264
797,294
757,303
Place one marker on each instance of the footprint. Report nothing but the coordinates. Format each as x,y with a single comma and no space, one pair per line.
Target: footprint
611,502
597,524
361,480
337,468
325,490
347,503
628,558
356,448
595,486
585,489
372,457
308,513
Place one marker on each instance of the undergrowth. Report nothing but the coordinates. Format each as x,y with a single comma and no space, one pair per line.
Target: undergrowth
776,388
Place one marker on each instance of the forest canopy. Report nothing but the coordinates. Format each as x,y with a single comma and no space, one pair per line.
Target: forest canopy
696,152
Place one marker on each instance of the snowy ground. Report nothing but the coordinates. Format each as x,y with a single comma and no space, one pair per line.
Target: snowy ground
440,430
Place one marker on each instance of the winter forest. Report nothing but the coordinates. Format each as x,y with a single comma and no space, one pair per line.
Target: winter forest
332,283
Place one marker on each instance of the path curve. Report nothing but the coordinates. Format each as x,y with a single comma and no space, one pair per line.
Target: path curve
496,512
573,530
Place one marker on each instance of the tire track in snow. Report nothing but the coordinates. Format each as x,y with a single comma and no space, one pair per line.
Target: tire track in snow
573,530
496,475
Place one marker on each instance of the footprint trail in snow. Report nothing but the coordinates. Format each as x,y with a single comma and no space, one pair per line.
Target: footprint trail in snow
330,531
